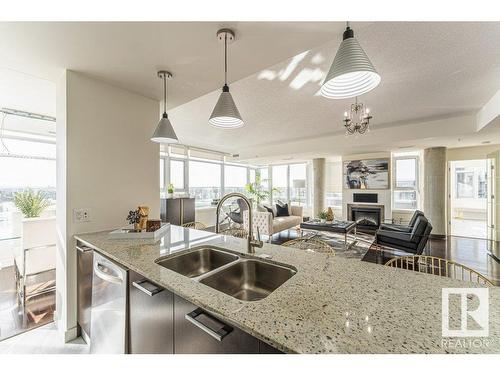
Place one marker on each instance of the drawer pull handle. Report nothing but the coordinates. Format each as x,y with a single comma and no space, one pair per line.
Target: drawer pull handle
147,287
218,335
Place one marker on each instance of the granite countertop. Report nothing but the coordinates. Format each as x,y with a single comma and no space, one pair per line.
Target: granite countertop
331,305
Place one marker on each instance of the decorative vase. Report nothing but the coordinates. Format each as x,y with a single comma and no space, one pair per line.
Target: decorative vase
137,227
144,213
322,220
170,195
329,214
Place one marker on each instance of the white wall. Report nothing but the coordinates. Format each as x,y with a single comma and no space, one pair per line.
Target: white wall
105,162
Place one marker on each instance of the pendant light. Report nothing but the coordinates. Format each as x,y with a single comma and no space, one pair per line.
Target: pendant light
225,114
351,73
164,132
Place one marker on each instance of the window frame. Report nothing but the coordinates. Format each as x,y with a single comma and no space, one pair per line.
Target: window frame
395,188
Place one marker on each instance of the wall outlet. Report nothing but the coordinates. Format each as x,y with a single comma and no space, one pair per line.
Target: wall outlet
81,215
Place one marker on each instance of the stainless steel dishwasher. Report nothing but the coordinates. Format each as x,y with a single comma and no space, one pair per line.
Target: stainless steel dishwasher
84,297
109,307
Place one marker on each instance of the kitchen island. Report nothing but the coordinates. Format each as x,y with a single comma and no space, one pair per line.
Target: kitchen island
331,304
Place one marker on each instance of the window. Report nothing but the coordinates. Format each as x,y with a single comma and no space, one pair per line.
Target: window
406,173
405,181
30,164
204,182
162,174
482,185
235,179
177,174
280,182
334,178
298,177
465,184
251,175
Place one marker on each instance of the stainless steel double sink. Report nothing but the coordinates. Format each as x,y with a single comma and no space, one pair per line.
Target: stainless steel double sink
243,277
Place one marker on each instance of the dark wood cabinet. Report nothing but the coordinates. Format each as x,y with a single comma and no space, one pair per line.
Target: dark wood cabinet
205,334
177,211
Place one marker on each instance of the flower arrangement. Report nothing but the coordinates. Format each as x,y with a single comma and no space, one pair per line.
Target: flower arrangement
134,217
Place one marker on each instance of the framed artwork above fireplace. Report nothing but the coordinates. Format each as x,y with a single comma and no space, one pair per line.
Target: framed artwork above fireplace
369,174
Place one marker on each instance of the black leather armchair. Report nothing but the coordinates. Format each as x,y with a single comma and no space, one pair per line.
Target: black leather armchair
404,228
412,242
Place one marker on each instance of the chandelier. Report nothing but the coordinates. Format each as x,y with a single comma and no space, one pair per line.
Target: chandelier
357,120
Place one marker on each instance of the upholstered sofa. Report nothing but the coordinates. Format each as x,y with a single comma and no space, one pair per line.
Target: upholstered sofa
268,225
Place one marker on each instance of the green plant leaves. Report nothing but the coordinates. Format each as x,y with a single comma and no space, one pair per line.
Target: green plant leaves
31,204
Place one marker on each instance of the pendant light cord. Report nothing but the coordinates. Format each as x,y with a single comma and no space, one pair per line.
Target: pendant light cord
165,93
225,59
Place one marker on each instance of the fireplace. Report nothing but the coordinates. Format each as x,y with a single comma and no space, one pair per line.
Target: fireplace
367,217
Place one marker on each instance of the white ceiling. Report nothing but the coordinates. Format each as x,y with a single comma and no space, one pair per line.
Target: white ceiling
128,54
429,71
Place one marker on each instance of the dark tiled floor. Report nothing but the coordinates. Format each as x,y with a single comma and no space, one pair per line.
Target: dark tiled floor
40,310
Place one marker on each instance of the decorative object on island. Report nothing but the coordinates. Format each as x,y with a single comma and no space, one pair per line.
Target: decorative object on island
323,216
31,204
170,191
299,185
134,217
178,210
329,214
256,190
164,132
144,213
225,114
367,174
357,120
153,225
351,73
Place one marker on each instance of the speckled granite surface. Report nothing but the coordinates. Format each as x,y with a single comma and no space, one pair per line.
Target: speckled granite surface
331,305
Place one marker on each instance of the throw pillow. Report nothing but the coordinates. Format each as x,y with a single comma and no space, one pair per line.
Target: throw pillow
282,210
269,209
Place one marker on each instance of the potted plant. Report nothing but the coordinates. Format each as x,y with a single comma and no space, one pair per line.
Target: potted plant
323,215
256,191
170,191
31,204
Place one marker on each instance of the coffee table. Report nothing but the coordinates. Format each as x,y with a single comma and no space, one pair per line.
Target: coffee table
337,226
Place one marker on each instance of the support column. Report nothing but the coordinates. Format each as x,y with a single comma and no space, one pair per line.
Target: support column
319,184
435,189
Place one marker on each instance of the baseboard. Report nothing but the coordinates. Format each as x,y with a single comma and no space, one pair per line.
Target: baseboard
70,334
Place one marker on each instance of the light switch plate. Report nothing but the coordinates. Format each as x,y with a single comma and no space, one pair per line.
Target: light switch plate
81,215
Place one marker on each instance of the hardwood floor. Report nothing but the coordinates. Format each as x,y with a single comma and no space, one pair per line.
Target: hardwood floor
471,252
40,309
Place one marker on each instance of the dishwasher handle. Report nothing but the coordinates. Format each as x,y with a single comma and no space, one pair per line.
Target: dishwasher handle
106,276
218,335
147,287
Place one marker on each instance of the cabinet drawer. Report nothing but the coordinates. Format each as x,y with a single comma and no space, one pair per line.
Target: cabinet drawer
204,334
151,315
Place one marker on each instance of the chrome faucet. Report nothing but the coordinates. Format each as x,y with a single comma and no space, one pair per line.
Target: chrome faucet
252,243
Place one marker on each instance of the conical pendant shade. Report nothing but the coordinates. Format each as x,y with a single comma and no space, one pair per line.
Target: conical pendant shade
351,73
164,132
225,114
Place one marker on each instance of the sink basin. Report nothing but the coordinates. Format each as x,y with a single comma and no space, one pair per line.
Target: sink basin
249,279
198,261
